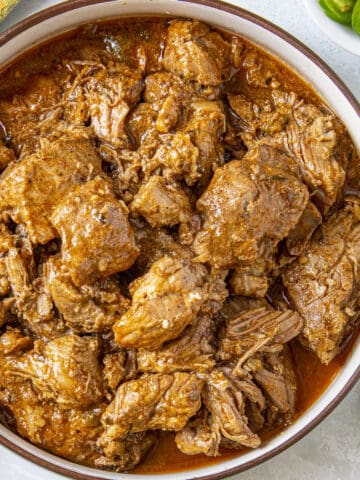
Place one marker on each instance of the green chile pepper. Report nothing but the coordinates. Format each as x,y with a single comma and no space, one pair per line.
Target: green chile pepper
6,7
355,18
338,10
342,5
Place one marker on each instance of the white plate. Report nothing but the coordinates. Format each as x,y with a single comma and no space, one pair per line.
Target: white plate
338,33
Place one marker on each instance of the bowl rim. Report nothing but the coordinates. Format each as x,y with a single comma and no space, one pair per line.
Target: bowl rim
67,6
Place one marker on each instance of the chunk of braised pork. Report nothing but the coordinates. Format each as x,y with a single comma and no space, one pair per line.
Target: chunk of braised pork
36,108
97,239
299,237
32,299
206,124
127,453
4,280
200,435
243,382
161,203
238,405
275,387
311,139
304,132
6,309
173,156
28,299
223,421
249,206
63,431
192,153
31,189
263,119
141,124
192,351
274,374
65,370
89,308
73,372
259,73
169,115
227,409
262,371
153,244
257,330
7,156
71,433
250,397
154,401
120,366
194,52
323,283
165,300
53,394
161,85
13,341
110,93
179,159
352,171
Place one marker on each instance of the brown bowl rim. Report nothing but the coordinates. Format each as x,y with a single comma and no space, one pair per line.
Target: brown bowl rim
278,31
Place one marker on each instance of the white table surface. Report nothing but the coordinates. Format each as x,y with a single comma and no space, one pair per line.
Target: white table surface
332,450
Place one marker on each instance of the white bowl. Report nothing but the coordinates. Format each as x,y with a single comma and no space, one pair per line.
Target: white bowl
65,16
342,35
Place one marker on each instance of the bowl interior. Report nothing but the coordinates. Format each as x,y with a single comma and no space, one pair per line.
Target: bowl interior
64,17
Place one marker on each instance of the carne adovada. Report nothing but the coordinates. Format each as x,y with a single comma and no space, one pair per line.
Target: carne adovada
179,216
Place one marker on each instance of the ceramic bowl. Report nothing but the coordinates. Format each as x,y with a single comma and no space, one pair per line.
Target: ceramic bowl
67,15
